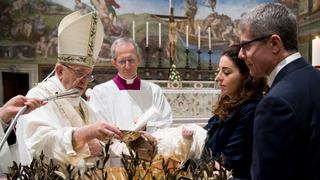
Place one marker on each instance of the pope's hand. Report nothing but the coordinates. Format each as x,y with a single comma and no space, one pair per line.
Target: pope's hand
99,130
95,147
106,130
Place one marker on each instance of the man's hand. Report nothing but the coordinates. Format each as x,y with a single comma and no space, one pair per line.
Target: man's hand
13,106
95,147
99,130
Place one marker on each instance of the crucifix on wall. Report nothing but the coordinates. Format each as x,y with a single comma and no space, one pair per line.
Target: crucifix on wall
171,45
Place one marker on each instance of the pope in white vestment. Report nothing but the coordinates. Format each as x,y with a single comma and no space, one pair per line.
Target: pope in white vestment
67,129
49,129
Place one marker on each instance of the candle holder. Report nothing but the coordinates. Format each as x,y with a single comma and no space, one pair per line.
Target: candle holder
146,69
187,75
210,65
187,58
199,63
147,57
199,75
159,60
160,74
147,73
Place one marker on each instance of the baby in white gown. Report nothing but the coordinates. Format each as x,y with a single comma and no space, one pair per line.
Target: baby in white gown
178,143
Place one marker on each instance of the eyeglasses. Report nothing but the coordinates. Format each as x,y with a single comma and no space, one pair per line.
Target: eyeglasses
80,75
124,61
246,44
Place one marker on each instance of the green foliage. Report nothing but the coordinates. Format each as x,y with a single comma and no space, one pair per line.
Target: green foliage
174,75
133,168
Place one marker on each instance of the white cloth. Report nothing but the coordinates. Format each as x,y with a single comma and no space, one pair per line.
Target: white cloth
172,144
123,107
50,127
8,154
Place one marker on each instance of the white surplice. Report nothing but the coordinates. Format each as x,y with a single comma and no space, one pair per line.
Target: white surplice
123,107
49,128
8,154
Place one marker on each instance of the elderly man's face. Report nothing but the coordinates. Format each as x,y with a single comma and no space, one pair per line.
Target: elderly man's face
126,61
74,76
256,52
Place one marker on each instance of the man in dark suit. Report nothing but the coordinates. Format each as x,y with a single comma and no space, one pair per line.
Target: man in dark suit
287,123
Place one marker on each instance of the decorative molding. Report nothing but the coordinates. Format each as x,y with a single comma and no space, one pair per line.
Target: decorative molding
191,105
30,69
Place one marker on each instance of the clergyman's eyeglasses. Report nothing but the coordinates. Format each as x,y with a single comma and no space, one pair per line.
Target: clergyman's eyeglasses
124,61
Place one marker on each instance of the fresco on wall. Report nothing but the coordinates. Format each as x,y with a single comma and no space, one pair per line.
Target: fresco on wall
29,27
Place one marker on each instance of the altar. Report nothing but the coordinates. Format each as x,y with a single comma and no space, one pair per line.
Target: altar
193,103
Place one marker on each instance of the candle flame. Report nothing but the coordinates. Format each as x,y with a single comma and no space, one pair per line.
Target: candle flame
317,37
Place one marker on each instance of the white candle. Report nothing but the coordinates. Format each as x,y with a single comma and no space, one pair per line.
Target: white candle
147,34
209,32
199,45
169,6
316,51
187,36
159,35
133,31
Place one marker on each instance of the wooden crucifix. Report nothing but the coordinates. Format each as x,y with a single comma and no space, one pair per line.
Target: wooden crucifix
171,45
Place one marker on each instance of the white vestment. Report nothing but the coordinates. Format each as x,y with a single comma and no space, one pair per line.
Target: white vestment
8,154
49,128
123,107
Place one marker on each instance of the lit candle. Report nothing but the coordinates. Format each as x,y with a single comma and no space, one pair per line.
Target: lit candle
159,35
169,6
187,36
209,32
199,38
316,51
133,31
147,34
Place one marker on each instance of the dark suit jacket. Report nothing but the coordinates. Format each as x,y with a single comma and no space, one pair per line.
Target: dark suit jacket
287,126
233,138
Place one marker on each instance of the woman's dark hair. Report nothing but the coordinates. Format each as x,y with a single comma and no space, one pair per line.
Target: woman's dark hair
251,87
